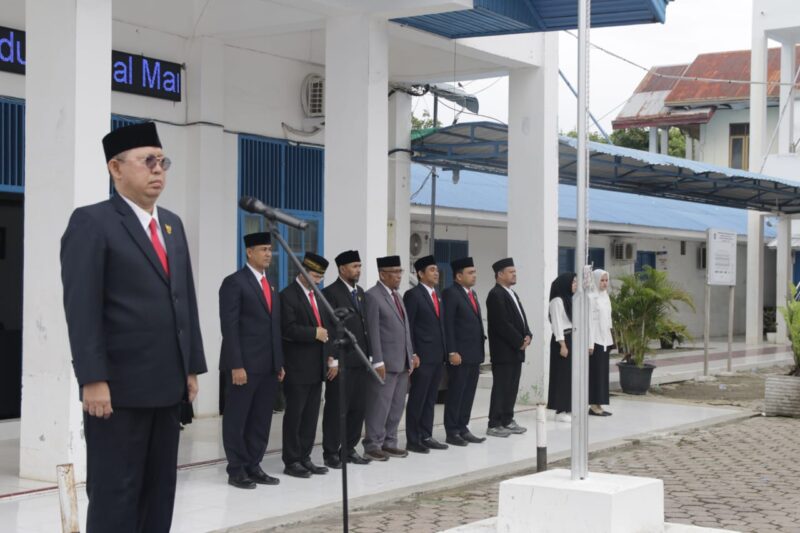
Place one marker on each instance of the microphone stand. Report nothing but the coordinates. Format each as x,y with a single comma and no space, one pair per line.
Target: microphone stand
346,345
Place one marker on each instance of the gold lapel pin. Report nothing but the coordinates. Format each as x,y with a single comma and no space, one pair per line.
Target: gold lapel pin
168,228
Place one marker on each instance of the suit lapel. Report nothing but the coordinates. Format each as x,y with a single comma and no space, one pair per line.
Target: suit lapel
390,299
301,291
137,233
463,292
250,279
169,242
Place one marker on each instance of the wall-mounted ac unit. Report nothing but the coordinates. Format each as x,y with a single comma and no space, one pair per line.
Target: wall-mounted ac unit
313,96
701,257
419,244
623,251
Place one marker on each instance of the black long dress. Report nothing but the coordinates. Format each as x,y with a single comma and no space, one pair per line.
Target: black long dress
559,395
598,376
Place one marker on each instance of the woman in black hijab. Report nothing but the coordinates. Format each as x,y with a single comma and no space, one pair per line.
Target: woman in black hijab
559,397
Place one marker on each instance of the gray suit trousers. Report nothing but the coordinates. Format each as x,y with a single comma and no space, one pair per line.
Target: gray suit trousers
385,406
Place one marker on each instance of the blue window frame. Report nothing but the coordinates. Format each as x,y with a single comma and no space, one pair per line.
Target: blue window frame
12,145
566,258
445,251
644,259
290,178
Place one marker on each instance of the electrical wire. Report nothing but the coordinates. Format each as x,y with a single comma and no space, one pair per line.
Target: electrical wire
677,77
424,182
441,103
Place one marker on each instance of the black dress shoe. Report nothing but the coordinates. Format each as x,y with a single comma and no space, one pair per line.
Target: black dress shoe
262,478
417,447
469,437
434,444
354,458
241,481
296,470
314,469
455,440
333,462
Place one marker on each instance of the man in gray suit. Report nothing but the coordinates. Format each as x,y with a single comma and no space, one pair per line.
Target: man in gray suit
392,358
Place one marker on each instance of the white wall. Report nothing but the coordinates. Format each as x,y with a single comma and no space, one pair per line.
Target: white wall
715,147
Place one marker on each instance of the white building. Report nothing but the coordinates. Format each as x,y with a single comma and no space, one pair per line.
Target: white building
227,82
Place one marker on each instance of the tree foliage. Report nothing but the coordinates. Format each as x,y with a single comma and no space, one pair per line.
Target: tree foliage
425,122
791,314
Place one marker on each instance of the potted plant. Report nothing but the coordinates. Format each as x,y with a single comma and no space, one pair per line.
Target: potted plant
641,307
782,393
770,324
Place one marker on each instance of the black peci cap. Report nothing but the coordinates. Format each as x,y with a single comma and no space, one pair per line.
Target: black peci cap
127,137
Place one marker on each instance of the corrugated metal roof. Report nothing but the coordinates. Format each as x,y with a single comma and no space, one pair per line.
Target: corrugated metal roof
724,66
647,109
654,81
483,147
499,17
477,191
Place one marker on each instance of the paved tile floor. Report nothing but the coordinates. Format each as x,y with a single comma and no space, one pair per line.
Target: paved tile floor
742,475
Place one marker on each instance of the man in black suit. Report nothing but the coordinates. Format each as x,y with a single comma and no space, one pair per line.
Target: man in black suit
509,335
309,361
345,292
463,328
251,360
134,333
426,320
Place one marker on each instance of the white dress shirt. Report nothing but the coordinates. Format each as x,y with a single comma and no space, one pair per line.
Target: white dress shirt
516,302
559,319
145,218
600,327
256,273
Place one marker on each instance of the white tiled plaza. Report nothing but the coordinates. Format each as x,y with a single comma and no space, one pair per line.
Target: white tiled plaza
206,503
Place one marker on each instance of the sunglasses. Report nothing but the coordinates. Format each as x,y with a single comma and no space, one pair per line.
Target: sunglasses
152,160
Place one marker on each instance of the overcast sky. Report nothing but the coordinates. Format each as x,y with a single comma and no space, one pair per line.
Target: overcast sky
692,27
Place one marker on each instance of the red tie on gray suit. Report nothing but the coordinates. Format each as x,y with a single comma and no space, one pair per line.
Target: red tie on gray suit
435,303
399,305
474,303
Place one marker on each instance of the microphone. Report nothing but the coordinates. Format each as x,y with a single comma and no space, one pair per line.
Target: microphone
253,205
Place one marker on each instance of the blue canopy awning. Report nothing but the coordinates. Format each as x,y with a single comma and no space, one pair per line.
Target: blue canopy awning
483,147
500,17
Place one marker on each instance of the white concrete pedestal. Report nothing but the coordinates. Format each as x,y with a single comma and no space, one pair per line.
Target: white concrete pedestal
552,502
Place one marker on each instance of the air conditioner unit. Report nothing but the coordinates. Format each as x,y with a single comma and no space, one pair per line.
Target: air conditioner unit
419,244
313,96
701,257
623,251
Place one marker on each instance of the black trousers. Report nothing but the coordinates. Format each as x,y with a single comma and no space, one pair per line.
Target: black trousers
421,401
463,380
247,420
300,420
598,376
505,385
131,469
355,403
559,394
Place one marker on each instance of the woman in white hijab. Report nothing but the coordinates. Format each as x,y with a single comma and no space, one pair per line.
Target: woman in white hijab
601,341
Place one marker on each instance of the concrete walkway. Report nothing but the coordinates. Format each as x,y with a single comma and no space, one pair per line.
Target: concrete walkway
206,503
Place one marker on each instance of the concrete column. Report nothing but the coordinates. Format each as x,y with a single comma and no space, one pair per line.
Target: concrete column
788,69
64,169
400,179
689,147
533,203
665,140
653,145
356,139
211,204
783,271
755,226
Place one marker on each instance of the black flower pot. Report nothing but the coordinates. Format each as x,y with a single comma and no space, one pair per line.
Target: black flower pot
635,380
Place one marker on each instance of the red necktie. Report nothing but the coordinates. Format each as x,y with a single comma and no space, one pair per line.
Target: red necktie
399,305
160,252
435,303
314,307
474,303
267,292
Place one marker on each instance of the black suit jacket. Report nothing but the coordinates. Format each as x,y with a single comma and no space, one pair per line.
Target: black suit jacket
338,295
305,356
463,326
251,335
427,330
507,329
129,323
